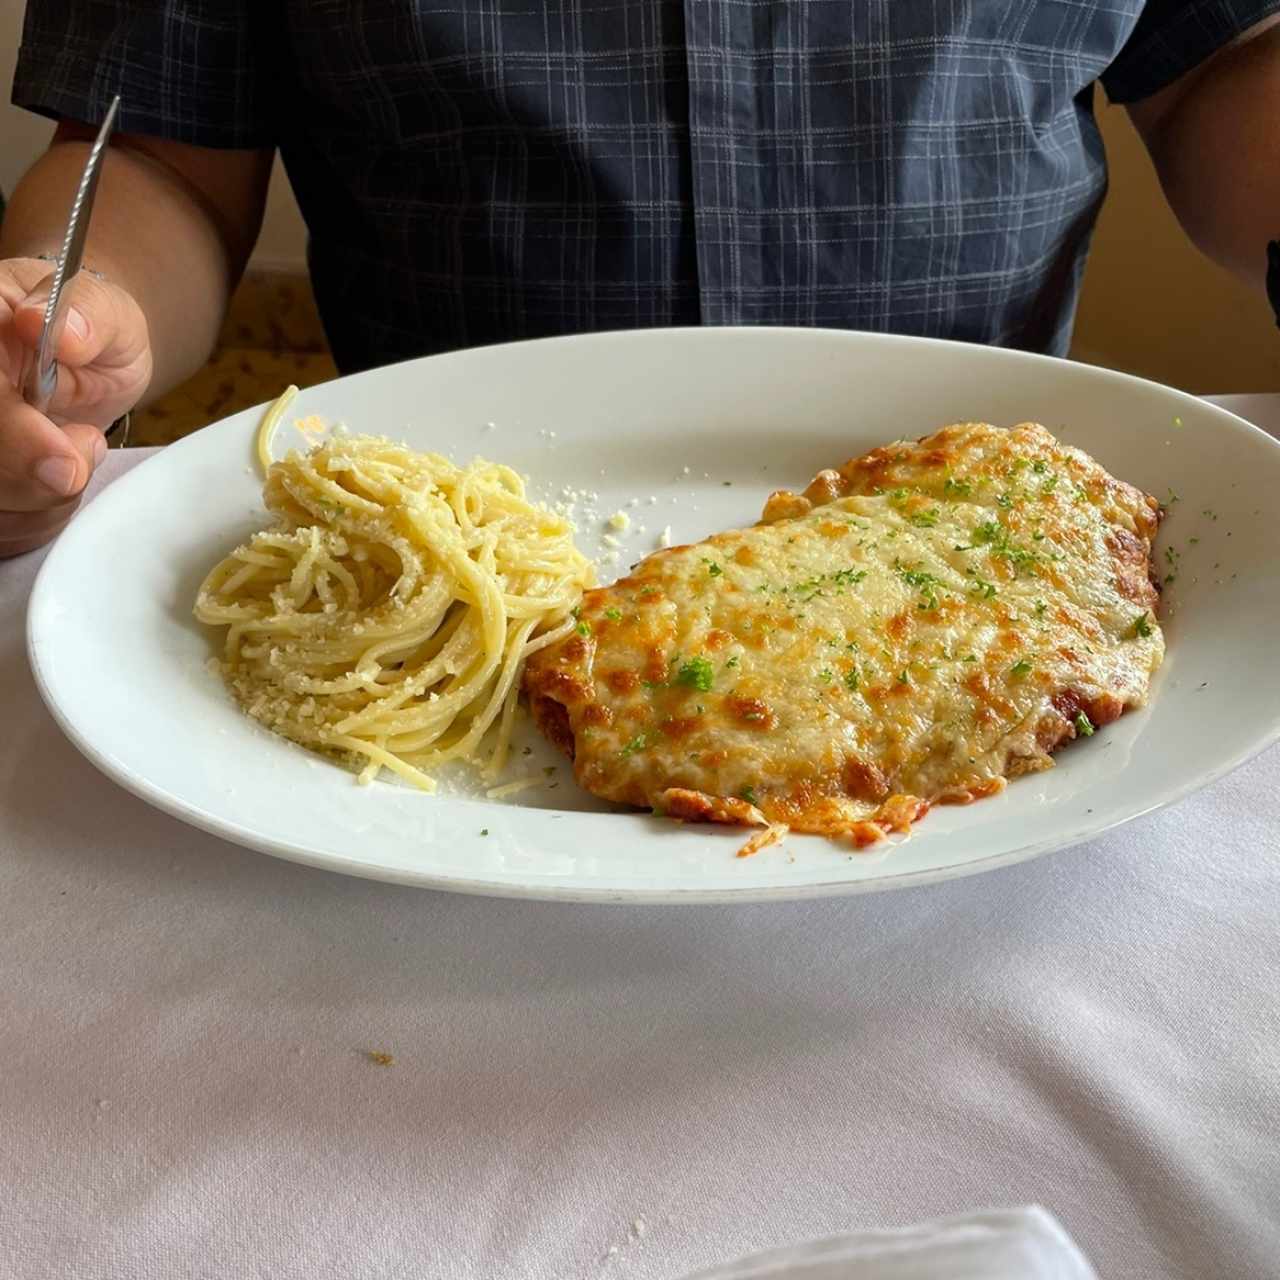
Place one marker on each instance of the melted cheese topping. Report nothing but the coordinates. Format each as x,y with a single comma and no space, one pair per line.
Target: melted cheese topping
916,627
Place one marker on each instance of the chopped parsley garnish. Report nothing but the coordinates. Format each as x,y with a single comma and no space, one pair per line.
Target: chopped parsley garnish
1141,627
1049,485
1084,726
811,588
852,680
1019,557
899,495
924,519
638,743
983,589
749,794
1039,466
1040,608
925,583
696,674
733,662
1020,668
903,678
991,533
614,615
956,488
1004,500
825,675
712,568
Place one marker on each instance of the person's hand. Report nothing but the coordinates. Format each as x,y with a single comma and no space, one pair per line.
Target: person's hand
104,366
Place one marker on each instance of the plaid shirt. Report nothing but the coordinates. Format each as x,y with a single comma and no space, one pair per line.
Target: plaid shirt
481,170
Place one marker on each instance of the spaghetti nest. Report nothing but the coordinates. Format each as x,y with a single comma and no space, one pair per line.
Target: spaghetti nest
387,614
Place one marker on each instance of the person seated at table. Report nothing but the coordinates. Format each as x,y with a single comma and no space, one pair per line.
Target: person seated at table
476,174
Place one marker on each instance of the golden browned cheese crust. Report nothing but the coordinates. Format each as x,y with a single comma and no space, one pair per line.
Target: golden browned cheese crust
918,625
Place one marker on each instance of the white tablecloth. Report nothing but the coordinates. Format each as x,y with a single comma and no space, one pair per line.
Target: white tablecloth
185,1029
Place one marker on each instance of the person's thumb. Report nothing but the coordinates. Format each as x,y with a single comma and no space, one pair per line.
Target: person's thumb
104,325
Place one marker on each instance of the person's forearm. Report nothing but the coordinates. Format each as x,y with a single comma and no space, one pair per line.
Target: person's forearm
1217,151
151,233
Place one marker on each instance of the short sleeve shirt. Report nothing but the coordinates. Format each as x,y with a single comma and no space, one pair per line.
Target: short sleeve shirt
497,169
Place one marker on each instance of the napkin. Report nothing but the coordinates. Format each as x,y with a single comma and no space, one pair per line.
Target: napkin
1025,1243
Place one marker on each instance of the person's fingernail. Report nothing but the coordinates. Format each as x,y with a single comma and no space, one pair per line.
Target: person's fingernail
99,450
58,474
77,323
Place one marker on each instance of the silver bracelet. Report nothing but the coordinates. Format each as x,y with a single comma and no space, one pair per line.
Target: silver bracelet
122,425
53,257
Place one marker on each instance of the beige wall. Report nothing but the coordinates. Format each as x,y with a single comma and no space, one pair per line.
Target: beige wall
1151,304
22,136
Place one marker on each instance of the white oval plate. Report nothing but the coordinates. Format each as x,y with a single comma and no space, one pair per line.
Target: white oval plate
699,425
